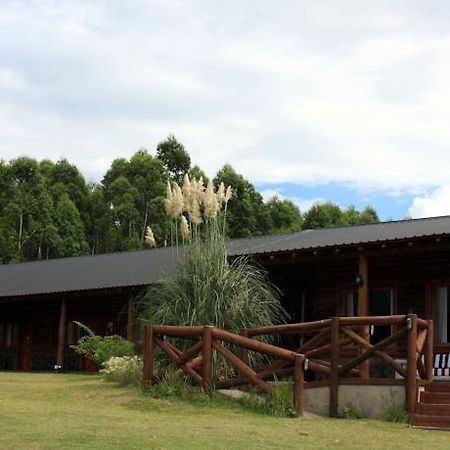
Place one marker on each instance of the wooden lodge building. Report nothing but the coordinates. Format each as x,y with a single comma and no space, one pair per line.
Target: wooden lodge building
383,269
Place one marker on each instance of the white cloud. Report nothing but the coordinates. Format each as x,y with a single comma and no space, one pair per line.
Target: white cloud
435,204
304,204
313,92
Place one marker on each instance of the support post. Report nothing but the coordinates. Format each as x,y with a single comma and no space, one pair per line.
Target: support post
243,351
61,334
299,378
130,320
429,355
149,346
334,375
207,357
411,366
363,308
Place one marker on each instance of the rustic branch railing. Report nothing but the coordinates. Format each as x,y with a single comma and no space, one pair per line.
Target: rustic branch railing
336,341
197,360
336,348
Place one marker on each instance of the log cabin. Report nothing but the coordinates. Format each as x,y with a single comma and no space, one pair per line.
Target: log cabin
384,269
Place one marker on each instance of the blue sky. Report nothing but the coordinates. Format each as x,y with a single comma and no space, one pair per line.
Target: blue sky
388,205
336,100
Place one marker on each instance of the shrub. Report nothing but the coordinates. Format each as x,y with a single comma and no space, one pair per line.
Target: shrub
350,411
277,403
101,348
395,412
207,288
172,385
124,370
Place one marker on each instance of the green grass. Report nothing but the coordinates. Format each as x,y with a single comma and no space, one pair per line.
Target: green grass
58,411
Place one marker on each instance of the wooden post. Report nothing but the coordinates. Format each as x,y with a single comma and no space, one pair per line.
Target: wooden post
363,307
411,365
299,378
61,334
429,354
244,351
207,357
149,346
130,319
334,375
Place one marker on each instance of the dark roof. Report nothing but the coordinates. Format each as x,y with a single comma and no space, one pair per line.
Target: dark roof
144,267
350,235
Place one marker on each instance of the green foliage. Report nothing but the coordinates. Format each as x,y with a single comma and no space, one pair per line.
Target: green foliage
278,403
246,215
170,386
284,216
175,158
395,412
350,411
123,370
328,215
101,348
48,210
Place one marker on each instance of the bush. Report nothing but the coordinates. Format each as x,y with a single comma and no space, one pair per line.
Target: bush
395,412
172,385
207,288
124,370
278,403
101,348
350,411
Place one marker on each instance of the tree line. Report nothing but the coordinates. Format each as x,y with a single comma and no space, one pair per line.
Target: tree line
49,210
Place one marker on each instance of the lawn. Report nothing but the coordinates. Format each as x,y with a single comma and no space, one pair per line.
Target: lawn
55,411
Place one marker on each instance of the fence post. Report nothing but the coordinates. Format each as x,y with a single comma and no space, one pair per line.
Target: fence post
148,356
299,378
207,360
429,355
334,375
244,351
411,366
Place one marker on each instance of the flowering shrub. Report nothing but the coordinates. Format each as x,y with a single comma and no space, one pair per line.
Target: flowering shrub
208,288
101,348
124,370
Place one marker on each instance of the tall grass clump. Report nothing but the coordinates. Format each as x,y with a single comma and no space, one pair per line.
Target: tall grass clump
207,288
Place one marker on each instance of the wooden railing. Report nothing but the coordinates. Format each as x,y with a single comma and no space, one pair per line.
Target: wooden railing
335,348
197,360
339,347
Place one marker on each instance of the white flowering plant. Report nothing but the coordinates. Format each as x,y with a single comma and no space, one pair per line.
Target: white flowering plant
208,288
124,370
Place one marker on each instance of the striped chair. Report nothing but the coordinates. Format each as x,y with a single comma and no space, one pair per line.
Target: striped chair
441,365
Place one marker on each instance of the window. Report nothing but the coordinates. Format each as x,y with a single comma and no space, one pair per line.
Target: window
349,303
441,314
8,335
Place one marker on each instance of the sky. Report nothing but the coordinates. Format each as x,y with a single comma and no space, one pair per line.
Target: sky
341,100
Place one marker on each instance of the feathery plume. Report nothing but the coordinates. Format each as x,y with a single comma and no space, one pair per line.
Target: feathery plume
150,238
168,201
210,202
228,194
184,227
178,200
221,194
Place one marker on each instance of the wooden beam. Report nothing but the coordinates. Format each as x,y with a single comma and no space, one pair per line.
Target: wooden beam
411,366
61,334
334,375
363,306
299,380
149,346
207,353
130,319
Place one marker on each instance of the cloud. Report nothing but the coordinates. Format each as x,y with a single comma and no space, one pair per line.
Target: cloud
435,204
304,204
311,93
